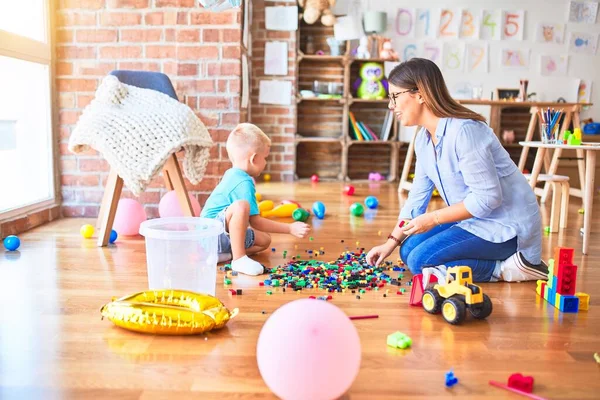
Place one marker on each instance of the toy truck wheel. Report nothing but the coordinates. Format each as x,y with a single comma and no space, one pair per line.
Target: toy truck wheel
454,310
483,310
432,301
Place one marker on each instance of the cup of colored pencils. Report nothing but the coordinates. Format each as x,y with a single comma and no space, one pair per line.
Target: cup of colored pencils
549,125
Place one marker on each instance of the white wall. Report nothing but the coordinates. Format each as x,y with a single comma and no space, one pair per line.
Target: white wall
548,88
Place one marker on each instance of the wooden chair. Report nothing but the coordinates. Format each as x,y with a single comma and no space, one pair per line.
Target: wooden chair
171,171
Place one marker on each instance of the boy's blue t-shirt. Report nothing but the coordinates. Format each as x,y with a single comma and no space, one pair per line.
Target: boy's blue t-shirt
235,185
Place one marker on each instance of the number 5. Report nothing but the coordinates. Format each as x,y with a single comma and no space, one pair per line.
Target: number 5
511,20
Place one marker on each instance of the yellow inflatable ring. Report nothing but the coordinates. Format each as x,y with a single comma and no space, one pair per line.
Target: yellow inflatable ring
168,312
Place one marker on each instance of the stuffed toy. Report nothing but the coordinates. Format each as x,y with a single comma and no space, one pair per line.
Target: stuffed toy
313,9
387,52
371,84
362,51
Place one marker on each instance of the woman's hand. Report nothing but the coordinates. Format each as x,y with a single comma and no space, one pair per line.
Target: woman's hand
379,253
422,223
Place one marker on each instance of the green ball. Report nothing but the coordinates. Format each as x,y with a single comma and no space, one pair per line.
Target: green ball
357,209
300,214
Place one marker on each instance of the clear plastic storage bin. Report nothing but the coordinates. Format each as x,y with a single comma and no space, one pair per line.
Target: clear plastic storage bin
182,253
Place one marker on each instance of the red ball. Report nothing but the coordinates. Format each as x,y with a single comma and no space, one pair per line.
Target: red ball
314,178
349,190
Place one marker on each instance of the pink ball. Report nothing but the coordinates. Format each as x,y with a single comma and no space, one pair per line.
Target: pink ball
130,214
308,349
169,205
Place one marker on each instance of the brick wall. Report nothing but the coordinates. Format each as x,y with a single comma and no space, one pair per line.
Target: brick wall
197,49
276,121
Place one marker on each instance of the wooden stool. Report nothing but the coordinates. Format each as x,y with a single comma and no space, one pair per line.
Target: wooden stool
560,199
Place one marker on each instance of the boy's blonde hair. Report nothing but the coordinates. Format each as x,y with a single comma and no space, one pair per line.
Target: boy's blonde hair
246,138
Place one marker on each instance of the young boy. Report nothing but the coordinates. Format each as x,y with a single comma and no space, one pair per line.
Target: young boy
234,202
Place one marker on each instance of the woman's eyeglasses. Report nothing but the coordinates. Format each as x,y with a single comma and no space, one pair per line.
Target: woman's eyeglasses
393,96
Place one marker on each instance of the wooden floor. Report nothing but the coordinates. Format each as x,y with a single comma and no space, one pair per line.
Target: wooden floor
53,343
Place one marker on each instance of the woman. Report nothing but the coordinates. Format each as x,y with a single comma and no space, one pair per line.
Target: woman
491,221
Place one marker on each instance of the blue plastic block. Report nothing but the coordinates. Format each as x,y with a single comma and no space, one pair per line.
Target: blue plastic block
451,380
568,304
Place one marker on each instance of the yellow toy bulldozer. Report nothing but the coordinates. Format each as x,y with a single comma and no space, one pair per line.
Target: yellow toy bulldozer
456,295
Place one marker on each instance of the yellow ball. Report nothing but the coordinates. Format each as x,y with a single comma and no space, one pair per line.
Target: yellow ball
87,231
267,177
581,211
258,196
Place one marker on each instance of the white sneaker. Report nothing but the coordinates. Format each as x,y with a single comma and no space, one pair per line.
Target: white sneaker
517,269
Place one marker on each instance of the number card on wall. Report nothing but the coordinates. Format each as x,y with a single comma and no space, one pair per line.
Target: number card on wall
469,25
405,22
454,56
490,25
408,51
449,23
513,23
432,51
477,57
425,23
515,58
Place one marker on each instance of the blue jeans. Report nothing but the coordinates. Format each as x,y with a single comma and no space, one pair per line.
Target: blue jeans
450,245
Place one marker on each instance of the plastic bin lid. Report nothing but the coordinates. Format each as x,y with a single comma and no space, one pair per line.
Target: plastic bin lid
177,228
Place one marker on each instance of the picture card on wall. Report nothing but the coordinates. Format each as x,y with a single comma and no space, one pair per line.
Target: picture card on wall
550,32
584,93
276,58
454,57
554,65
583,11
275,92
583,43
515,58
491,25
407,51
477,57
469,25
513,25
449,23
348,28
281,18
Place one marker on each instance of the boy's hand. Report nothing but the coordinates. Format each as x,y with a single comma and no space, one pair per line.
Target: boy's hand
299,229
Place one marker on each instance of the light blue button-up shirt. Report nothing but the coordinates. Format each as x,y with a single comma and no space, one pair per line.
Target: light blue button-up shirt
470,165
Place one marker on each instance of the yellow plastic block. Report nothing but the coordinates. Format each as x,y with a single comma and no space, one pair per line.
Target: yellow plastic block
584,300
557,301
538,289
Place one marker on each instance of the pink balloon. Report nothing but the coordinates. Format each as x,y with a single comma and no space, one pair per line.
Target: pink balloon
130,214
169,205
308,349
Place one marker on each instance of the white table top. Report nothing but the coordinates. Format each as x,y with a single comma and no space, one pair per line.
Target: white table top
583,146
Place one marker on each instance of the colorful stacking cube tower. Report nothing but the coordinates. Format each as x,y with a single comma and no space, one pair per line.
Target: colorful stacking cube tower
559,290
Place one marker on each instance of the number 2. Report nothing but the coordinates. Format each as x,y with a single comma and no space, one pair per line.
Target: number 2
511,20
449,14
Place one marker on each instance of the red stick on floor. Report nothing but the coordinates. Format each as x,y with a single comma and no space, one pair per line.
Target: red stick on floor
502,386
364,316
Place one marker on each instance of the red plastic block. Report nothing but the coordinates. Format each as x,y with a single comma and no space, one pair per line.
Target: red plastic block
520,382
563,256
567,278
416,291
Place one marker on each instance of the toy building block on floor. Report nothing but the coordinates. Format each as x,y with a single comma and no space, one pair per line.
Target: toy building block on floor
559,289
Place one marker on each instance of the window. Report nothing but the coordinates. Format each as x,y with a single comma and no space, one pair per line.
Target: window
465,275
26,145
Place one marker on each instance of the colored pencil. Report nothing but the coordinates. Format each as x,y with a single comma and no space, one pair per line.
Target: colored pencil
364,316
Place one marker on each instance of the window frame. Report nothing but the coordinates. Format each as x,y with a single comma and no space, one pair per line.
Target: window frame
27,49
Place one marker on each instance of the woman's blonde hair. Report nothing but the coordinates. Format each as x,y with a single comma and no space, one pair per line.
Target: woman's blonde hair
424,76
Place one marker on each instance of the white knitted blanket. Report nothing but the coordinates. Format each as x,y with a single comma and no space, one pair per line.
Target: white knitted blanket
136,130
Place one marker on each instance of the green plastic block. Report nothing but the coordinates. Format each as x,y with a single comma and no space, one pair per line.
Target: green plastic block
399,340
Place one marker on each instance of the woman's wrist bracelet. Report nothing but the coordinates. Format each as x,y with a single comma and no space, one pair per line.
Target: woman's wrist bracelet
437,217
